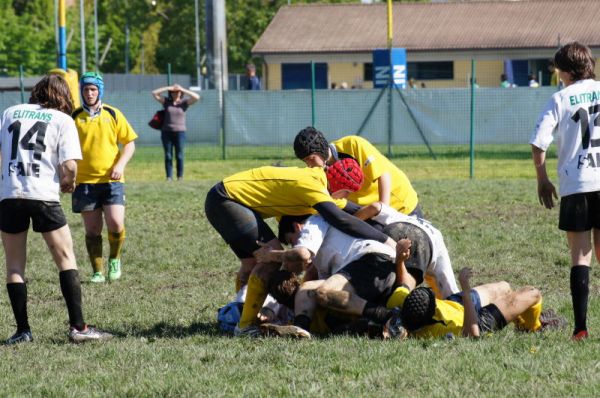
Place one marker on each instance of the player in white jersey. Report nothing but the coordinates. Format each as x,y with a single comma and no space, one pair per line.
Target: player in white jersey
573,116
39,148
361,266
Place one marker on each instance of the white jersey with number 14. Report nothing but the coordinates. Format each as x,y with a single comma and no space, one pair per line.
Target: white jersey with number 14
574,115
34,141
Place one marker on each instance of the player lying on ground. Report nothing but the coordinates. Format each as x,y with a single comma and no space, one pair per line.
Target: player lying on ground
359,266
384,182
237,207
417,313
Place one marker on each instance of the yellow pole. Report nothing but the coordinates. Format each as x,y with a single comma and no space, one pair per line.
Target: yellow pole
390,18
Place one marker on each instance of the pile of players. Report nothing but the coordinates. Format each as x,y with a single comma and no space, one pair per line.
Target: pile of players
361,253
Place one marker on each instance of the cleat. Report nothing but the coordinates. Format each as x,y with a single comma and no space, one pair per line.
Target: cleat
114,269
89,334
17,338
552,321
580,336
97,278
248,331
393,328
271,329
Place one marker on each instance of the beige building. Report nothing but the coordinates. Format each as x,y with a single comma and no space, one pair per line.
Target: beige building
440,40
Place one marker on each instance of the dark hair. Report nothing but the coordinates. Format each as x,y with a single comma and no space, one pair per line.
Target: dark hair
577,60
52,92
286,225
418,309
309,141
251,67
283,286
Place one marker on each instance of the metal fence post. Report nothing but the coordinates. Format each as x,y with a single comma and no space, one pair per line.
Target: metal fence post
312,92
472,124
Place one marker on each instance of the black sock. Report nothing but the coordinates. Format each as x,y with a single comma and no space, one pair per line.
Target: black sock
71,291
17,293
580,280
302,321
376,313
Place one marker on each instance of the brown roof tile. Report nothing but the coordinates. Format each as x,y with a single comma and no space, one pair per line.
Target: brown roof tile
431,26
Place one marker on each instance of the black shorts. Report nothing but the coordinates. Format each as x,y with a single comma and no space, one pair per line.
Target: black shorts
237,224
420,251
490,319
89,197
16,213
373,276
579,212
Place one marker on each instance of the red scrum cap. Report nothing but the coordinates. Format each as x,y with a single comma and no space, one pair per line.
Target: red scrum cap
344,174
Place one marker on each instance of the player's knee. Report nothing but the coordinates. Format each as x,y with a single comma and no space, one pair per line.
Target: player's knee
504,287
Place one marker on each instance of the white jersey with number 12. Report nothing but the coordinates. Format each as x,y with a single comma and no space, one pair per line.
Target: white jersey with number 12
574,115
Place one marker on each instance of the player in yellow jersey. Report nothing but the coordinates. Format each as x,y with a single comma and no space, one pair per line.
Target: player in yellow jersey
383,181
237,207
100,191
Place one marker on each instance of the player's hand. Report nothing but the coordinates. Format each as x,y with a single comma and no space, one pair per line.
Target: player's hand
464,277
403,247
67,185
263,254
546,194
117,172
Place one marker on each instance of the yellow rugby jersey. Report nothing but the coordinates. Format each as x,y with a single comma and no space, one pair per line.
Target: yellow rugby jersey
373,163
279,191
449,315
100,136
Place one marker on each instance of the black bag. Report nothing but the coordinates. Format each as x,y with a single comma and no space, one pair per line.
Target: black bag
157,120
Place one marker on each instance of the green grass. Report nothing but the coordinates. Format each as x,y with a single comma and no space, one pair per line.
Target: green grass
177,272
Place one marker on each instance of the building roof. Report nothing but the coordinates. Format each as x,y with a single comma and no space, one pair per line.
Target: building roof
481,25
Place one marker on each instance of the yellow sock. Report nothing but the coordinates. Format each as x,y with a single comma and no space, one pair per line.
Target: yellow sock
115,243
255,297
530,319
94,249
431,282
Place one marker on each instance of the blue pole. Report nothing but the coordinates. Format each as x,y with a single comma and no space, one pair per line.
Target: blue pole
62,35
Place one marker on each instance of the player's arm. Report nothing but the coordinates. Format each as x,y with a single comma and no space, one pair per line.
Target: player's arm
403,277
68,173
546,190
350,224
470,323
124,158
157,93
369,211
384,186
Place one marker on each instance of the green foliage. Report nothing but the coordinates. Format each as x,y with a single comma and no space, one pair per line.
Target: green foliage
167,32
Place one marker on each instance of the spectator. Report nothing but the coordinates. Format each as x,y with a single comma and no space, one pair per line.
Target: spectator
253,82
504,83
533,83
172,133
412,83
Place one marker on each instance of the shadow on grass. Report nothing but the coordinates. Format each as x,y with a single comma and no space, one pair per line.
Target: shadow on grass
170,330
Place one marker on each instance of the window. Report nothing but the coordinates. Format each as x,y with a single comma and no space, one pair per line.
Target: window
431,70
368,72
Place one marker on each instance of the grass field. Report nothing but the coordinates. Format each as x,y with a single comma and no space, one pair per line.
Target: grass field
177,272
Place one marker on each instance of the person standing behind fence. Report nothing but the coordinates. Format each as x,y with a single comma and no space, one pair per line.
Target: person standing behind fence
33,173
100,183
173,130
253,82
571,114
